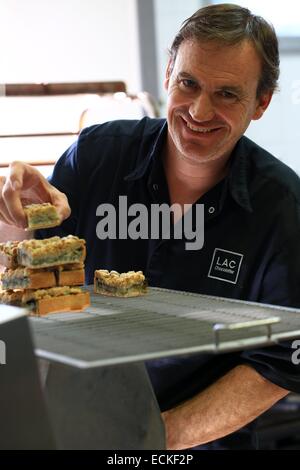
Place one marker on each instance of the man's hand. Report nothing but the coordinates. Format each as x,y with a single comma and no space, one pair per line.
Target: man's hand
26,185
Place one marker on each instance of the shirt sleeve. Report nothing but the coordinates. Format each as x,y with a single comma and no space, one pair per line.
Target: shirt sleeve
280,287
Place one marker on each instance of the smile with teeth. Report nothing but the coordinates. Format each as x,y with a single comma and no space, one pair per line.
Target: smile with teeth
199,129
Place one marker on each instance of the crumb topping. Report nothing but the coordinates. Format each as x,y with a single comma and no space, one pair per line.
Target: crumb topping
120,280
32,209
9,248
49,246
9,296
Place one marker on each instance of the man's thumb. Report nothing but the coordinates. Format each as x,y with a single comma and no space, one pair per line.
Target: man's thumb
16,185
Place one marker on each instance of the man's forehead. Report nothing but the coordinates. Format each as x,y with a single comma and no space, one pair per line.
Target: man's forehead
241,59
213,48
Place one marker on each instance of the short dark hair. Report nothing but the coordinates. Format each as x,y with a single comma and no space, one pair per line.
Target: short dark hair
231,24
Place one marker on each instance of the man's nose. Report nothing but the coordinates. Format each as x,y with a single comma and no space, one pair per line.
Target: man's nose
202,108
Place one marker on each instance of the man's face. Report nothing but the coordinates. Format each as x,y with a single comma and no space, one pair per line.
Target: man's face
212,99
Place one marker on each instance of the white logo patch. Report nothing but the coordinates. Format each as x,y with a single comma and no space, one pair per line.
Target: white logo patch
225,265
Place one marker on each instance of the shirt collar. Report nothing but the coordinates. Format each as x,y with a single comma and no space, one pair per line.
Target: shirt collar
151,156
236,180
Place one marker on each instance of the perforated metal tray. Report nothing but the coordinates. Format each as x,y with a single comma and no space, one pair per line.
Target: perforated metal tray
162,323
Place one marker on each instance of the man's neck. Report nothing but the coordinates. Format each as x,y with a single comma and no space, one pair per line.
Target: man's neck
188,182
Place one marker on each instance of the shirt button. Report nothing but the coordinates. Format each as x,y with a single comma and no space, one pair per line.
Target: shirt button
155,187
211,210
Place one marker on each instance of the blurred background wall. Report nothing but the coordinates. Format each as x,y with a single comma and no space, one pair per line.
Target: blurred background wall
96,40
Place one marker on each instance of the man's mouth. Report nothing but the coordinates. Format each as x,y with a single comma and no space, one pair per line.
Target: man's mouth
200,129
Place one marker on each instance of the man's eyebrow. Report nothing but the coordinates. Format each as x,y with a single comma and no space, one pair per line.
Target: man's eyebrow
235,89
231,88
186,75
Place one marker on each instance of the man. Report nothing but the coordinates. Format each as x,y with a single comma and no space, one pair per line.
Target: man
222,72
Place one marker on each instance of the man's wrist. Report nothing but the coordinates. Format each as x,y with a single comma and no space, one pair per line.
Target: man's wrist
173,422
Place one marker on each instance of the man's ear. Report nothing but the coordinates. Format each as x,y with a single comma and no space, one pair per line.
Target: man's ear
262,103
168,73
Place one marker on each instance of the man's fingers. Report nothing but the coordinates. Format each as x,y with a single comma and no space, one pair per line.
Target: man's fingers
60,201
11,193
24,185
5,218
12,201
4,213
16,175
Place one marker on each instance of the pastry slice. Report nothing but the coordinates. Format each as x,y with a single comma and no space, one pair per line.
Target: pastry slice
45,301
130,284
70,275
8,254
51,252
27,278
41,216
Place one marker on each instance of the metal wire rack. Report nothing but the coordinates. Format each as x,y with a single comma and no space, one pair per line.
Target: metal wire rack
160,324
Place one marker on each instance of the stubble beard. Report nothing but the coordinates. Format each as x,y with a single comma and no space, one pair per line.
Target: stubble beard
196,158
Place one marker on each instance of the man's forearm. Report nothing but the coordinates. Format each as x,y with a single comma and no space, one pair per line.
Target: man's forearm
224,407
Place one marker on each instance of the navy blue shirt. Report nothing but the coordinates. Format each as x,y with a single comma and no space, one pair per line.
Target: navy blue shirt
251,241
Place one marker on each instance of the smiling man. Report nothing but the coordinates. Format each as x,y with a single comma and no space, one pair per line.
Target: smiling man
212,98
222,72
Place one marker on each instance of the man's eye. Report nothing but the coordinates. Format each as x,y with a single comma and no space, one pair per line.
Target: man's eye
228,95
186,83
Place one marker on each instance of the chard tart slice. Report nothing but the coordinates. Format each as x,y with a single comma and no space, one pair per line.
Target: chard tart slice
27,278
45,301
9,254
41,216
112,283
70,274
51,252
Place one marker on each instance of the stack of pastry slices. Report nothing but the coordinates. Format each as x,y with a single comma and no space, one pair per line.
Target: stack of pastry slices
44,275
